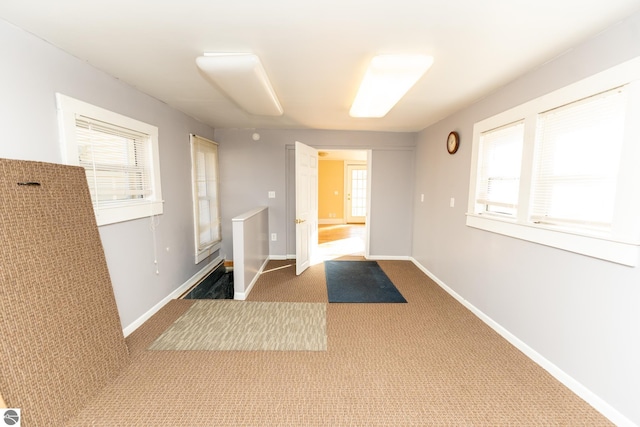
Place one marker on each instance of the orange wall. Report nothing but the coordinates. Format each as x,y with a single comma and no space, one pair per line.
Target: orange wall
330,181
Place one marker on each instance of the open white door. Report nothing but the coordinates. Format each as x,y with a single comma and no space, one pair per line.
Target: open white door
306,205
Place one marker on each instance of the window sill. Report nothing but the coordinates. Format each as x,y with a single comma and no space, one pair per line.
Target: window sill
207,252
112,215
608,250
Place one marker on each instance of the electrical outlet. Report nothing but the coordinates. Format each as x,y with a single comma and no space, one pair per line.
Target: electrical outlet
274,237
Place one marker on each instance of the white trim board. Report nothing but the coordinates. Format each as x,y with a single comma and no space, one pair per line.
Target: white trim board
389,258
241,296
575,386
331,221
173,295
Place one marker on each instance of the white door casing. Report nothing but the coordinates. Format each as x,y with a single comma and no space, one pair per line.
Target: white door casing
306,165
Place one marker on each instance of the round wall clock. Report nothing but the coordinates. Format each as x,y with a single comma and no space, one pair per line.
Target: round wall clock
453,142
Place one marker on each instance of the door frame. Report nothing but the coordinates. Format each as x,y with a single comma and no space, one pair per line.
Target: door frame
290,205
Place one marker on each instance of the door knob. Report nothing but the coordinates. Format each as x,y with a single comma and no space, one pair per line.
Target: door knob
300,221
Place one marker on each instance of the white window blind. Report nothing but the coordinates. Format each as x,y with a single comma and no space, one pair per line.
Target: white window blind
120,157
578,150
116,161
499,169
207,223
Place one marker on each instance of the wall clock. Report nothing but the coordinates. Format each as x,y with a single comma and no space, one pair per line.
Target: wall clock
453,142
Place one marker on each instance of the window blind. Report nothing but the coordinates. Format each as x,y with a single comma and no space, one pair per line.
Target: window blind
117,163
578,150
205,193
499,169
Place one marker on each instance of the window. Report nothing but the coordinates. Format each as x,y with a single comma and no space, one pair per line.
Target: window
499,174
577,161
359,191
561,170
119,155
206,204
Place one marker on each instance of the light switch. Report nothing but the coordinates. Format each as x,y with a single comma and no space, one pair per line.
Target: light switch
452,202
272,194
422,197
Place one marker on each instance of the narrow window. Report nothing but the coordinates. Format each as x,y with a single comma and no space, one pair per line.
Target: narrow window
206,203
499,170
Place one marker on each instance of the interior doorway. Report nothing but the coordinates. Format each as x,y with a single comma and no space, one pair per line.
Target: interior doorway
343,202
334,224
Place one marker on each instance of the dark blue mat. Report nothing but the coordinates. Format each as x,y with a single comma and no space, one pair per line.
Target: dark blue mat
359,281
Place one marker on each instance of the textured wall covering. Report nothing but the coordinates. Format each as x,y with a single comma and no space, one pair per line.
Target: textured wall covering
61,337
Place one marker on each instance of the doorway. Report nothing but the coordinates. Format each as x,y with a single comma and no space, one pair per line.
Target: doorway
355,237
342,203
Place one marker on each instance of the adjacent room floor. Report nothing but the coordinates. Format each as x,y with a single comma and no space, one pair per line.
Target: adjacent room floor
337,240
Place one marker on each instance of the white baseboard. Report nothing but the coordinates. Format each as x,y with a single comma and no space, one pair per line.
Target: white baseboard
173,295
388,258
371,257
243,295
583,392
331,221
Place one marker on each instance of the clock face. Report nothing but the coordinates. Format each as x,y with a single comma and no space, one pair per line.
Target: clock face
452,142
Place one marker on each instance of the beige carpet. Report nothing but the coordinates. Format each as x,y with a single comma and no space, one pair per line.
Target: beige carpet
426,363
242,325
60,336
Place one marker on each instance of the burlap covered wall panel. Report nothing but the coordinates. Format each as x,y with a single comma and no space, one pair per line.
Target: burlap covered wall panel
61,338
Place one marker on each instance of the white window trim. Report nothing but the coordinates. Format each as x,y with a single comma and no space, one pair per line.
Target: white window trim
622,245
68,109
202,253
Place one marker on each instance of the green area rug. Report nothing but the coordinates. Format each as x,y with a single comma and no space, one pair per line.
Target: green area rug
247,325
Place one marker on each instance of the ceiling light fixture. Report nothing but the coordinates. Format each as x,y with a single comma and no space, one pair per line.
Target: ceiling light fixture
387,80
243,79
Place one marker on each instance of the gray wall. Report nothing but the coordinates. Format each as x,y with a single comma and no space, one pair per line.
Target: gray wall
250,169
580,313
32,72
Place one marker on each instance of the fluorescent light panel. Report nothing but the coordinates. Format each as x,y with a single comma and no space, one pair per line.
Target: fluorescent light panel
387,80
243,79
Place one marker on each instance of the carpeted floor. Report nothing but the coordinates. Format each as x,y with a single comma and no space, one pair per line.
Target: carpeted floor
426,363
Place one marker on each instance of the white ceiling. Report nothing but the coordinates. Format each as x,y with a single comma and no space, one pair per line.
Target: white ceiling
315,52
